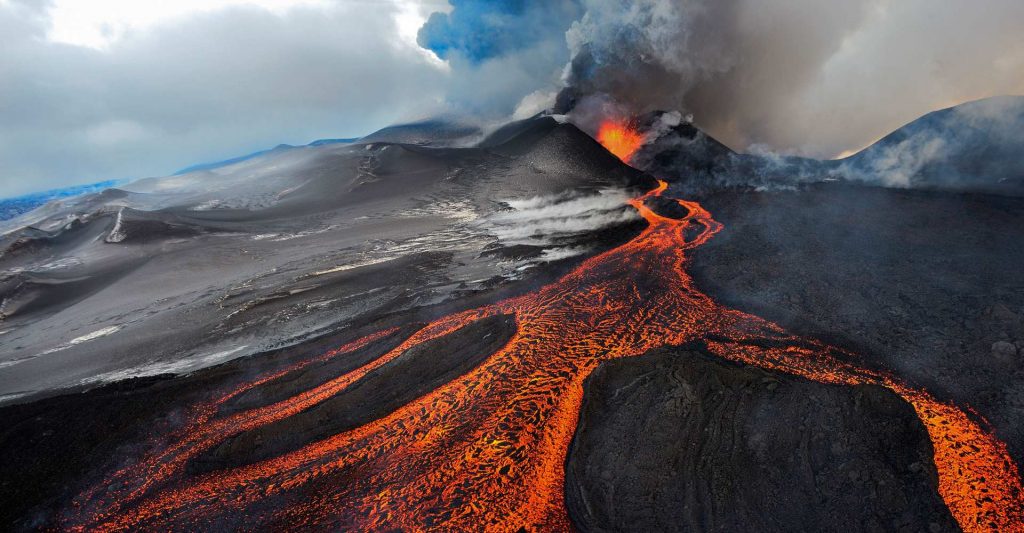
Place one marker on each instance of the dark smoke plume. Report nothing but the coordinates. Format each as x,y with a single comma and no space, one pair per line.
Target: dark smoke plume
800,77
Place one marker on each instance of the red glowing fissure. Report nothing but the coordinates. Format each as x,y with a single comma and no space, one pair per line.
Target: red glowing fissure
487,450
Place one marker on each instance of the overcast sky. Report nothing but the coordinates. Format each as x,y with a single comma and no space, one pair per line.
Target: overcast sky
99,89
103,89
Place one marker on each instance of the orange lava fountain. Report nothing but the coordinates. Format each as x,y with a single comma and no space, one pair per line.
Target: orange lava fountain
487,450
619,139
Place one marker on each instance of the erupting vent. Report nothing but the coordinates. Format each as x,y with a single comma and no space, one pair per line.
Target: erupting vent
619,139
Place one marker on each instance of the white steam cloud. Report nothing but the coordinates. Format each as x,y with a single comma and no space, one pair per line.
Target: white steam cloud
550,220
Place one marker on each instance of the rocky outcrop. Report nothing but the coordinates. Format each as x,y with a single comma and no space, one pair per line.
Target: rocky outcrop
676,440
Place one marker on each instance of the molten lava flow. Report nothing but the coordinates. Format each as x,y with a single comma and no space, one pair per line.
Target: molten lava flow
619,139
487,450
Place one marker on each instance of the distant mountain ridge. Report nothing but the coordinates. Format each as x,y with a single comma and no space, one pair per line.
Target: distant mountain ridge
420,132
12,207
279,148
976,146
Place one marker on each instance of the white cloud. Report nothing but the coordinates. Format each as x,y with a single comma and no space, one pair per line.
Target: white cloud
115,132
410,17
98,23
184,85
534,103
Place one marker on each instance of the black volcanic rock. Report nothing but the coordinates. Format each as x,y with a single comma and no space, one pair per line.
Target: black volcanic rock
676,440
517,137
557,157
314,375
55,447
394,384
920,283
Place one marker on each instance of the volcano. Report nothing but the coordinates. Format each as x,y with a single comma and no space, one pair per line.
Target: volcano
433,329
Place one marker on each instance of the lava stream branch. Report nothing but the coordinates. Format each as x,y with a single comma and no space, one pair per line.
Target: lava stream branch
487,449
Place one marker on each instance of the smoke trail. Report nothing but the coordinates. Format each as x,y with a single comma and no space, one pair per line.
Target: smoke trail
799,77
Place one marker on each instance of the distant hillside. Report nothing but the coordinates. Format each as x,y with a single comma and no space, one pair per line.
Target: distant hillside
12,207
697,163
434,132
977,145
278,148
423,132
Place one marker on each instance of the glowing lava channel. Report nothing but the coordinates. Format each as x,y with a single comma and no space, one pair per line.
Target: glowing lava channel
487,450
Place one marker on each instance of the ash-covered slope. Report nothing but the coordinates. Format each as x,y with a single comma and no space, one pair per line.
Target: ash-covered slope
435,132
176,273
432,132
